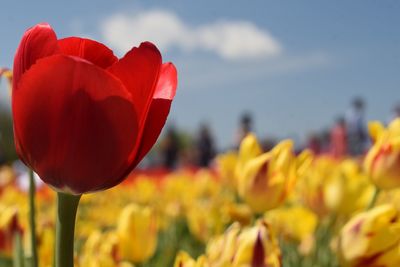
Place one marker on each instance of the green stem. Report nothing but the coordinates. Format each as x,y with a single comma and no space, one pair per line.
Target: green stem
67,206
32,223
18,253
374,198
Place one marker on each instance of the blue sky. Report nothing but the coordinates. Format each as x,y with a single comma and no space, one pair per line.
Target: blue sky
294,65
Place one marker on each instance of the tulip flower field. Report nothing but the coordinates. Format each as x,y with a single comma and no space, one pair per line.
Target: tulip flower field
253,208
83,120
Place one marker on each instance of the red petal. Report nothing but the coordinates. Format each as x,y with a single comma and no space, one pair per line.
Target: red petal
258,259
138,70
157,115
38,42
159,109
90,50
167,82
156,119
75,122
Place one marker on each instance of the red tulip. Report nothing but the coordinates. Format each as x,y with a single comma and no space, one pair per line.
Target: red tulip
83,119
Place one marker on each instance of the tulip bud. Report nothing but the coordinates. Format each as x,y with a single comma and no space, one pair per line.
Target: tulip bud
371,238
226,165
257,247
248,150
202,201
382,162
137,233
204,220
184,260
8,227
240,213
252,246
7,176
46,244
265,180
282,221
347,189
310,188
221,249
99,250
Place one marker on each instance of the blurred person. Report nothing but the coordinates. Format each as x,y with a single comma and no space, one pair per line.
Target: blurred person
314,143
245,127
188,157
170,149
356,127
205,146
338,139
325,140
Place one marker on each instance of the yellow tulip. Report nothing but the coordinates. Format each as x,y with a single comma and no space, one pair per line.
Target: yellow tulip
282,220
137,233
184,260
204,220
382,162
310,188
347,189
265,180
175,190
235,212
203,202
46,245
245,247
226,166
8,227
221,249
99,250
145,190
371,238
7,175
390,196
257,247
249,149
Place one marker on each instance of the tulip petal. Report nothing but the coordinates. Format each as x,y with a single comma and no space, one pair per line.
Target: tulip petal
90,50
38,42
157,115
138,70
375,129
156,119
82,127
159,109
258,252
167,82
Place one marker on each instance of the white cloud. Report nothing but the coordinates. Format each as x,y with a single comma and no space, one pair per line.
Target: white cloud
211,73
233,40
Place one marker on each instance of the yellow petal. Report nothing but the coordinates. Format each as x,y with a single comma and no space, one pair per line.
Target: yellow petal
375,129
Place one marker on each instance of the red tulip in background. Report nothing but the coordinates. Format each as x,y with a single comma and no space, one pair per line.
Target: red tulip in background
83,119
